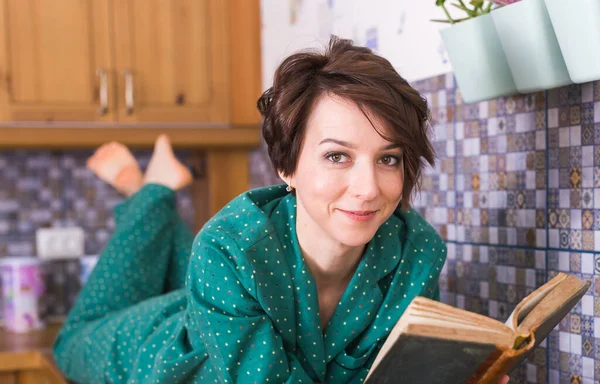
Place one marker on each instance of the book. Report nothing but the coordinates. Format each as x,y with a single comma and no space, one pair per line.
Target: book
435,343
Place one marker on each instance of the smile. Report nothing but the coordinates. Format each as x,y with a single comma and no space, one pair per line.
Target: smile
359,215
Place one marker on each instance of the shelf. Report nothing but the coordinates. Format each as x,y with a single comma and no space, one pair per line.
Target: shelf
45,136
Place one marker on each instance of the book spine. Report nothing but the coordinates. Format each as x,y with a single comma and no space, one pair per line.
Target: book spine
507,360
486,365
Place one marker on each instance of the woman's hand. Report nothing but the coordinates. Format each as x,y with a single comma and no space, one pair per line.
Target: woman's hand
504,380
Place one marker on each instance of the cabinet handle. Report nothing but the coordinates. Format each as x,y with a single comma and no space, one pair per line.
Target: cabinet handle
103,109
129,101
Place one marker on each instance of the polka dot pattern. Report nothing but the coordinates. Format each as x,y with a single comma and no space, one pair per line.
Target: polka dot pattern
242,306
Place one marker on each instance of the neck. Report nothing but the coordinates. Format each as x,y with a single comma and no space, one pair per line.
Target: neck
331,263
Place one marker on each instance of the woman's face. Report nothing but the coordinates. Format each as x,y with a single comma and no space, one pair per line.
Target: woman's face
348,178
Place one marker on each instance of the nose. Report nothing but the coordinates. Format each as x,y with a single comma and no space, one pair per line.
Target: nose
364,183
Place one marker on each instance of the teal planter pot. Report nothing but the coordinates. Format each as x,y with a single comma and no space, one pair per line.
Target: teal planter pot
477,59
577,27
530,45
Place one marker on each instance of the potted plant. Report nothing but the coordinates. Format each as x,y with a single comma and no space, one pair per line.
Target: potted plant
577,27
475,51
530,45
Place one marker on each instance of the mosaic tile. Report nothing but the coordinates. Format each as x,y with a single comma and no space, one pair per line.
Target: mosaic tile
572,168
436,199
578,333
61,280
262,172
44,189
509,162
30,195
501,157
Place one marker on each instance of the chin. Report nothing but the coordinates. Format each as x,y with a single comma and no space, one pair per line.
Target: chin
355,239
354,234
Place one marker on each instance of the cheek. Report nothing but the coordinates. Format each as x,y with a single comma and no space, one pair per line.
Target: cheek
392,186
321,183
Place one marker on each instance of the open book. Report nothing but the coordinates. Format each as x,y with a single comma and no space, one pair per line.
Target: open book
437,343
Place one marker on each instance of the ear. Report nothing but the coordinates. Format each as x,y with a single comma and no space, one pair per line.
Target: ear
289,180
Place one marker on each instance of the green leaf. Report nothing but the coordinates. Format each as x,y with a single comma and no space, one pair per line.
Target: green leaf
477,3
439,3
463,4
461,7
469,12
450,22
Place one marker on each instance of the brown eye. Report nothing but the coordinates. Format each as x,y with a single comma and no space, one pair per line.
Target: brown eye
389,160
336,157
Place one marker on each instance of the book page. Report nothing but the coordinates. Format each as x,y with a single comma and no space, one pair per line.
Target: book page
554,307
528,303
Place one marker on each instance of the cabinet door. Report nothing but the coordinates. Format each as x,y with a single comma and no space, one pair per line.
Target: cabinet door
172,60
55,61
8,378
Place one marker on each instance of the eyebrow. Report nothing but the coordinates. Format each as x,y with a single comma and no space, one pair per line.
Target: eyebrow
352,146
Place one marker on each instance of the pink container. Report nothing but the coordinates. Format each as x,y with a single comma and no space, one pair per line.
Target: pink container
22,287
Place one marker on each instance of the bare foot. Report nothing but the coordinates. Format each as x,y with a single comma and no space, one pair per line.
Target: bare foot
164,168
114,164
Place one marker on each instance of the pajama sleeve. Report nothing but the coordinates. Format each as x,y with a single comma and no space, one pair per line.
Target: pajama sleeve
436,271
242,343
433,251
436,293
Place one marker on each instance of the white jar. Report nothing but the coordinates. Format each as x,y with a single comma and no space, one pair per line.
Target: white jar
22,287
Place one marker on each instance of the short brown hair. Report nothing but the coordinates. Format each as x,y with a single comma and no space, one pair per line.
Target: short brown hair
354,73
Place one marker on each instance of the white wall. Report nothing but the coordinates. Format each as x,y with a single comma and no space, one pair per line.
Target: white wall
399,30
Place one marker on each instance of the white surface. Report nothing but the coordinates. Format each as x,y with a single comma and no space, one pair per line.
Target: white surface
18,261
59,243
399,30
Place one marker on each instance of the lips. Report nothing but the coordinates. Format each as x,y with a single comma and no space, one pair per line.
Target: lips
359,215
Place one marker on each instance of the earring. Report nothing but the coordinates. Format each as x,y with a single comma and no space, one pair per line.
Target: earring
289,188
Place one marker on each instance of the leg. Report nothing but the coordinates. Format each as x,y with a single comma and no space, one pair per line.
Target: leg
180,255
131,270
133,265
148,252
115,164
165,169
149,234
181,246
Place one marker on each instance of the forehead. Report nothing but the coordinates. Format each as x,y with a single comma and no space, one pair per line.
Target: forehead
334,116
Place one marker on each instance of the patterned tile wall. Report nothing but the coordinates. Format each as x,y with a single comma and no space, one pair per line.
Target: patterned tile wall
261,170
574,344
436,200
573,168
500,162
526,206
43,189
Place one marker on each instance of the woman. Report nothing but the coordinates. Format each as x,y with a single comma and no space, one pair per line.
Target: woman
295,284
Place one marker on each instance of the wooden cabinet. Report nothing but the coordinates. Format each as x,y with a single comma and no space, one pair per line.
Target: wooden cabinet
8,378
54,57
170,60
79,73
27,358
28,368
116,60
